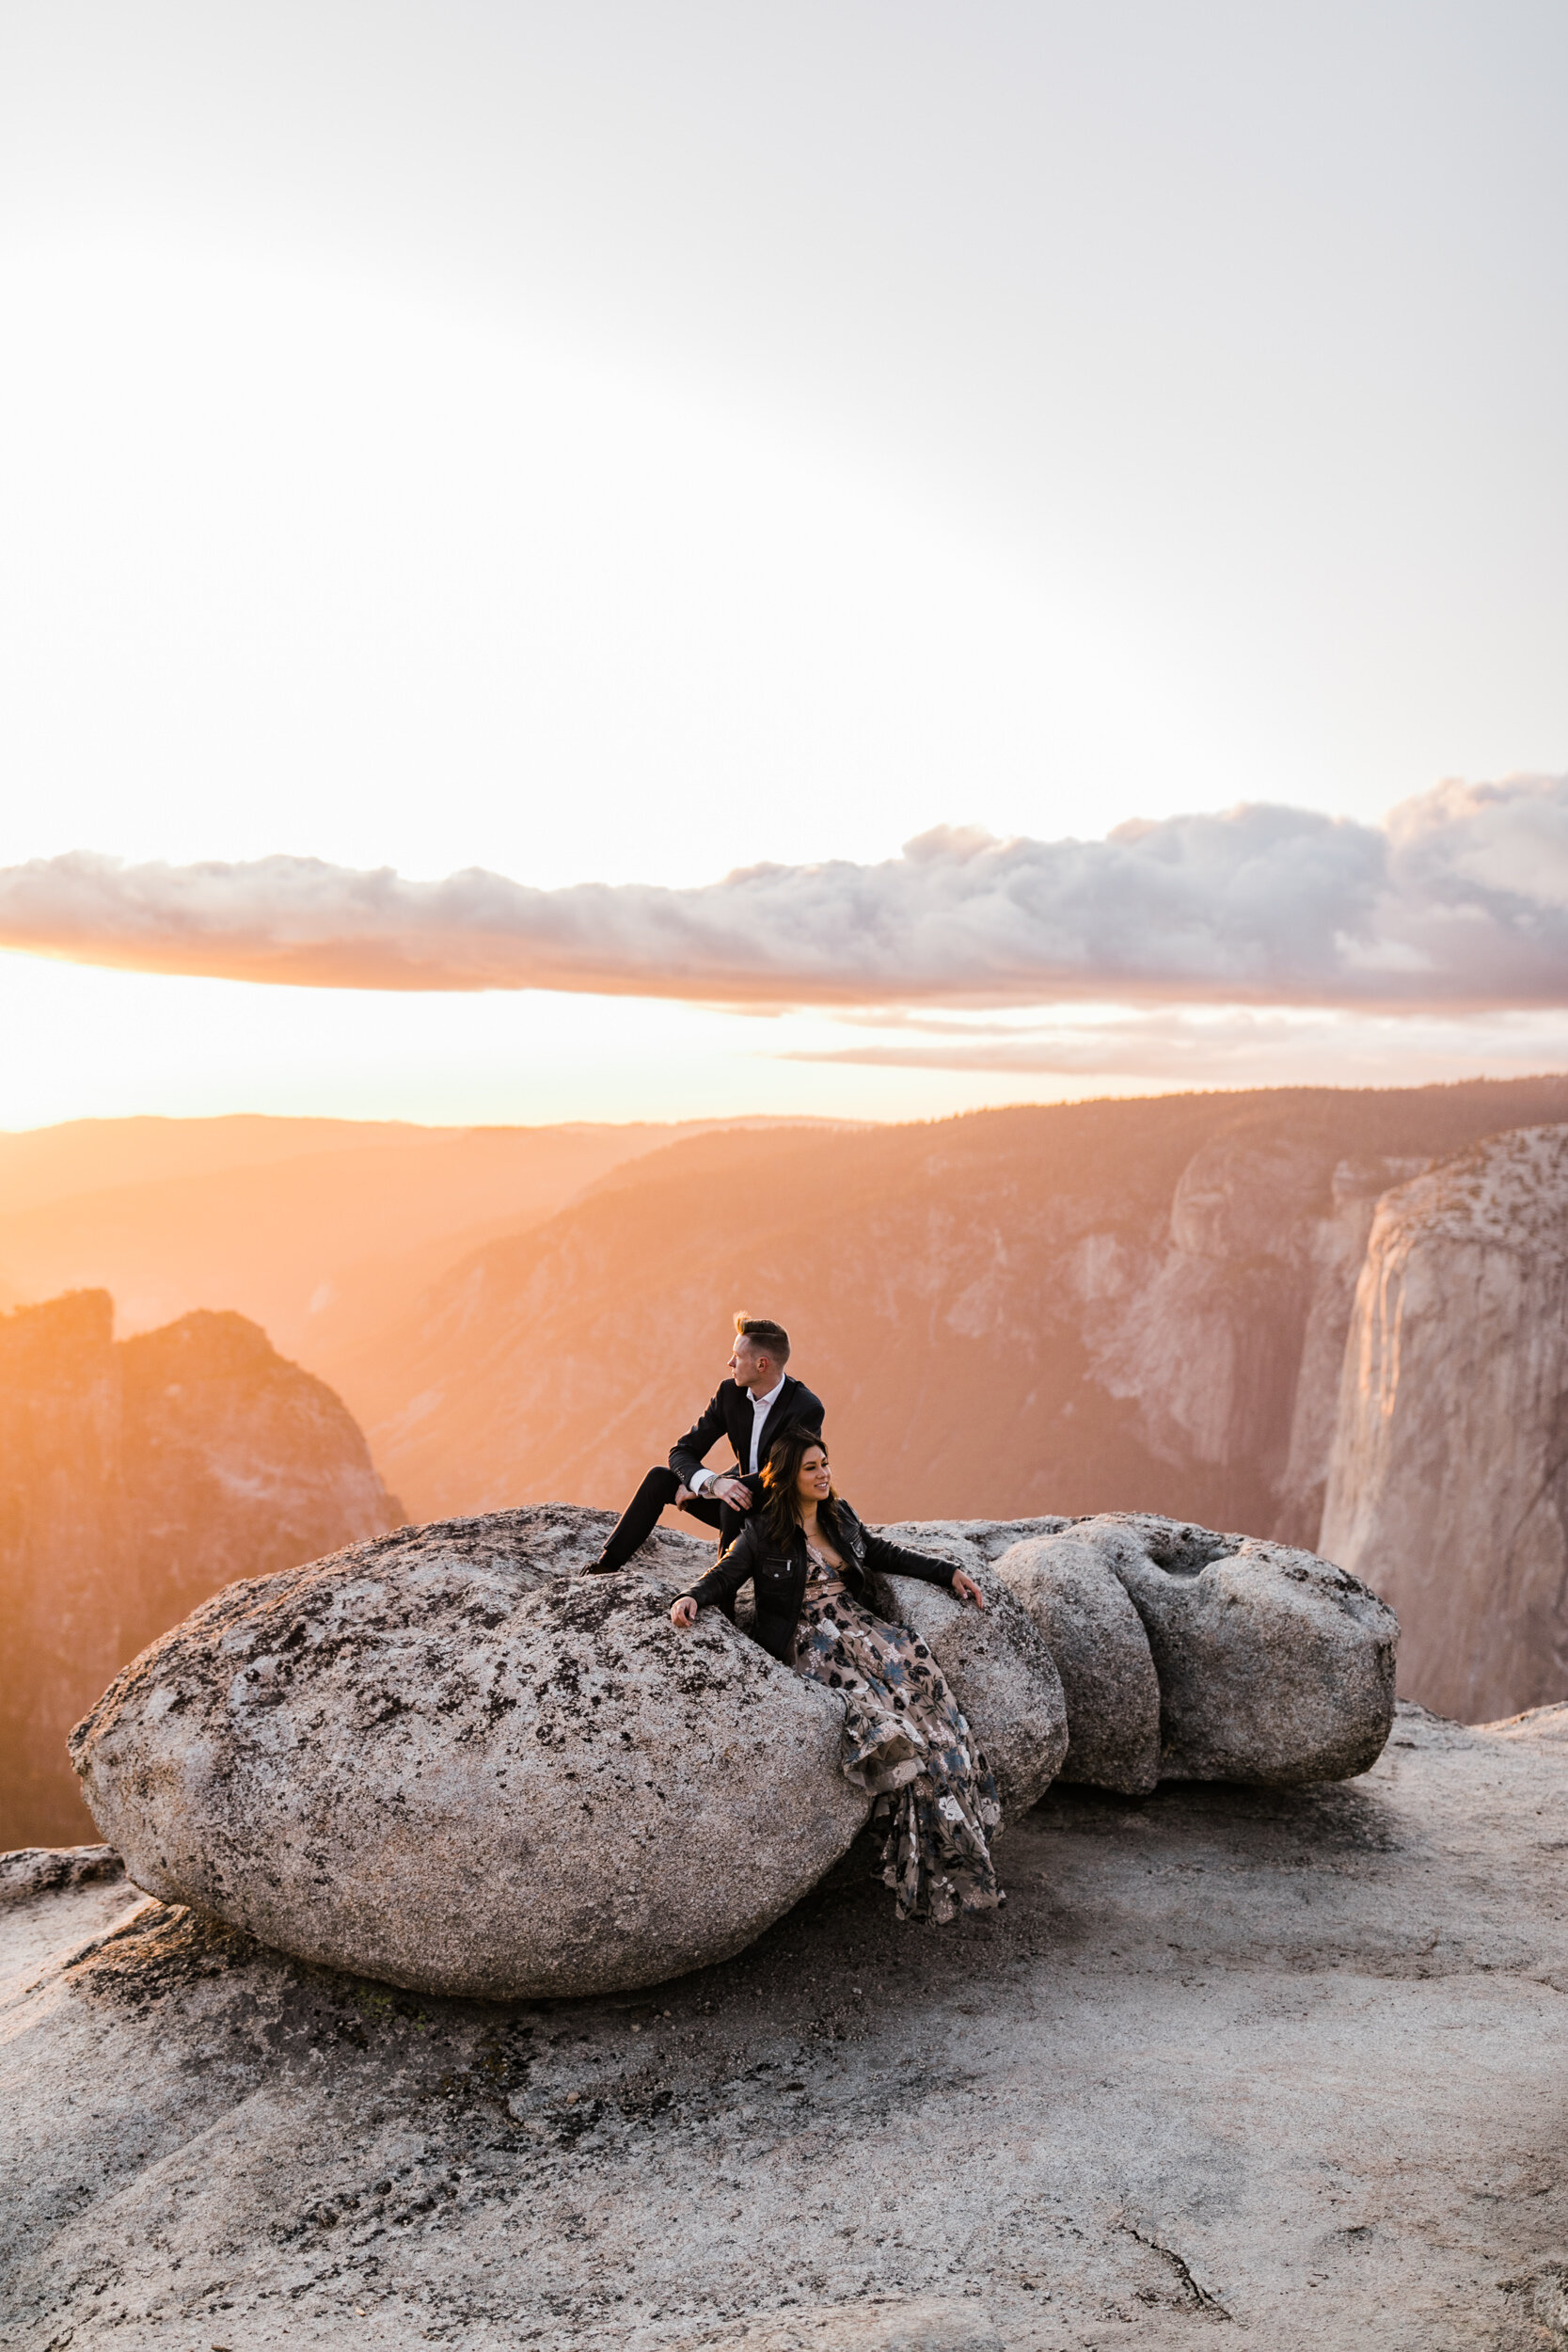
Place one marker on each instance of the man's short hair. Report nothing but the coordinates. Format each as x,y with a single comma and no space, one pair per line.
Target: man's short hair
769,1339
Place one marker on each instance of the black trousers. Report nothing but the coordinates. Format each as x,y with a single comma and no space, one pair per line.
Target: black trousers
640,1517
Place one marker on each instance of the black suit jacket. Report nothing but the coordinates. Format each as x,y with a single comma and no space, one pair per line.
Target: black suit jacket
729,1415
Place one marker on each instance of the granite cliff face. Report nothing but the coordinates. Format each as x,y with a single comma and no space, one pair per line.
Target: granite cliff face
1227,1342
136,1478
1450,1465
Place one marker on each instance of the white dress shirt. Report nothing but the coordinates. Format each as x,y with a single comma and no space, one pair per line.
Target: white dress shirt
761,1407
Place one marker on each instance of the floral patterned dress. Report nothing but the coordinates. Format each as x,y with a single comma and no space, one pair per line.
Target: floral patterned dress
905,1738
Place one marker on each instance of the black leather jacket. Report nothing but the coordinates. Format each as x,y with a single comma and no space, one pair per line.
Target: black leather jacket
778,1574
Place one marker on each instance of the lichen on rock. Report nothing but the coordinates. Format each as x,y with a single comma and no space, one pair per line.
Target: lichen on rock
441,1759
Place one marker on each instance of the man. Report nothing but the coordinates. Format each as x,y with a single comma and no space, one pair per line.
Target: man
750,1408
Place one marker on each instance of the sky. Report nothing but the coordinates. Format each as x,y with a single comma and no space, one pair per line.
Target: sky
612,562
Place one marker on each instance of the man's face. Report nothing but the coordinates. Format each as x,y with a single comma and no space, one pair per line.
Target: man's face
749,1367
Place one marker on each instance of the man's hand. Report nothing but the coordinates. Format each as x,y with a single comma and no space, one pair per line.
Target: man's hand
684,1614
964,1588
733,1491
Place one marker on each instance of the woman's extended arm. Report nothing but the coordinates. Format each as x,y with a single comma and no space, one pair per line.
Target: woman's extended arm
722,1583
891,1559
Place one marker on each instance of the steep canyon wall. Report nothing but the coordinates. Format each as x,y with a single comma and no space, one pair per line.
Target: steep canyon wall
136,1478
1449,1471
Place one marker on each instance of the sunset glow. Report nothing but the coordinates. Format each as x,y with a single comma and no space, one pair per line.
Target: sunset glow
559,523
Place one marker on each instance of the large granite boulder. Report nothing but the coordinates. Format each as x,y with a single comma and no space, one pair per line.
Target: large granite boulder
442,1759
1096,1639
1274,1665
996,1659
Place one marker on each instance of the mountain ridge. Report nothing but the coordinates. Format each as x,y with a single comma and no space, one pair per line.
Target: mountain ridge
1138,1303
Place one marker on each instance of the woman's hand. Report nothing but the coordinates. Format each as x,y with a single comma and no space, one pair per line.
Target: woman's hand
964,1588
684,1614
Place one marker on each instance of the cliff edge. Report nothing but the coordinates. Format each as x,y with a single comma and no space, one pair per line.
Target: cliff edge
1280,2059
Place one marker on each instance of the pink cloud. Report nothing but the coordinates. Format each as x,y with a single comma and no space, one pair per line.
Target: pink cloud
1462,900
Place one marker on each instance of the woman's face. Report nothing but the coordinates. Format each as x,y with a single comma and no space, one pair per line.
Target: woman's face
814,1483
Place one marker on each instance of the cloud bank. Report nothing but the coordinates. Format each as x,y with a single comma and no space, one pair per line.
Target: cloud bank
1461,900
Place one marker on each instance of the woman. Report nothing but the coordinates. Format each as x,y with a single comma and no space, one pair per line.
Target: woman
905,1738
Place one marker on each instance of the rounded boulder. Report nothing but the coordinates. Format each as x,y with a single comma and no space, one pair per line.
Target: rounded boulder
441,1759
1102,1652
1274,1665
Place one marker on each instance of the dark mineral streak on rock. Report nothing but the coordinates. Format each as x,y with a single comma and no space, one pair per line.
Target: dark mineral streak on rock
40,1869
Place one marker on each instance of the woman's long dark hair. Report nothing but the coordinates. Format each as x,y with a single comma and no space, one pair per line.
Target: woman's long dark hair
781,1479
